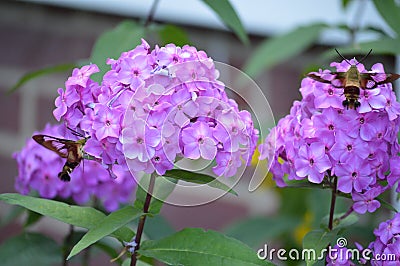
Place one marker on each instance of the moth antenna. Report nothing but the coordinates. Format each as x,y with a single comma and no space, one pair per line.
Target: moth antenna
365,56
76,133
345,59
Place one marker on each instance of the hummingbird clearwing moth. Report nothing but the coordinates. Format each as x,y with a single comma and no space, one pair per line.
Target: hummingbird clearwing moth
352,81
72,150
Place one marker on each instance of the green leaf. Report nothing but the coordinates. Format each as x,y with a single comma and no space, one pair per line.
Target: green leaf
163,187
338,223
30,249
375,30
294,202
345,3
318,198
255,231
41,72
389,11
346,222
281,48
382,46
315,241
173,34
387,205
75,215
32,218
158,227
303,184
105,227
112,43
194,246
85,217
198,178
229,17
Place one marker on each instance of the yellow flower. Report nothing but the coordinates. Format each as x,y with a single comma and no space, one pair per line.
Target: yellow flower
267,182
304,227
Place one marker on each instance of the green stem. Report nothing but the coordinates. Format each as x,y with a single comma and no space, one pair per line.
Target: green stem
150,17
67,243
333,202
349,211
355,28
143,219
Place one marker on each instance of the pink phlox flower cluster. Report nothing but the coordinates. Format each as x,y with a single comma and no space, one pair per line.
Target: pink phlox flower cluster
385,250
321,138
388,236
339,256
156,106
38,168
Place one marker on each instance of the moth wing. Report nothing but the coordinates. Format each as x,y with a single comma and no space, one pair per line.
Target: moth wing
339,80
389,78
338,83
372,80
339,75
318,78
336,79
368,80
57,145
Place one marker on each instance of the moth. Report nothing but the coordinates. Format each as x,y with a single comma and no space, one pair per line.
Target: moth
72,150
352,81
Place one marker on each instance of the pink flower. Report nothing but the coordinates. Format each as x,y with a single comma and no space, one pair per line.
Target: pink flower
327,96
161,163
185,109
134,71
61,106
107,123
230,131
353,174
199,142
227,163
366,201
347,148
388,230
81,76
140,141
149,105
312,162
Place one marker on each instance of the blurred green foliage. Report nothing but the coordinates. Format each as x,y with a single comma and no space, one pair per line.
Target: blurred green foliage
283,47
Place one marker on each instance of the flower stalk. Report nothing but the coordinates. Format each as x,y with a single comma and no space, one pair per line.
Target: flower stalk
67,245
150,17
143,219
333,202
